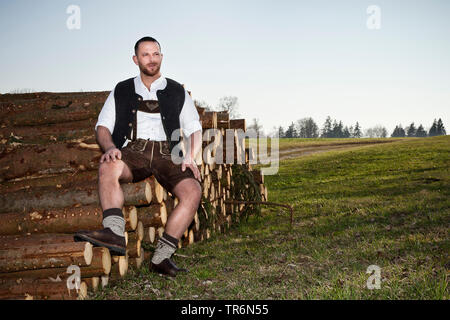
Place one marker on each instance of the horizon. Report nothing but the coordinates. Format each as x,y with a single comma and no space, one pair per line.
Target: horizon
284,61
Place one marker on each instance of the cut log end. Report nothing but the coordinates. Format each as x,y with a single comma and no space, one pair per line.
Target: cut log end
88,253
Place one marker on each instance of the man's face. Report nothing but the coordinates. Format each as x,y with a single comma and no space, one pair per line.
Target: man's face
148,58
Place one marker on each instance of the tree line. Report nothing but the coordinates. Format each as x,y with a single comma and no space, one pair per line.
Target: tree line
308,128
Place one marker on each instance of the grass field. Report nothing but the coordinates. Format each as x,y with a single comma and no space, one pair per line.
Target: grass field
384,204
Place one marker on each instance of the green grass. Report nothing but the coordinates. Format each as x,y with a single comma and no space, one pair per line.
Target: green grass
385,204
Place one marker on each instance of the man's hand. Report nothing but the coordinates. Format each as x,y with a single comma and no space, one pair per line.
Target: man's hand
188,162
111,154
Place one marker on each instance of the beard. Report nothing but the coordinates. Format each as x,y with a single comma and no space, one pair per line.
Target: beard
145,69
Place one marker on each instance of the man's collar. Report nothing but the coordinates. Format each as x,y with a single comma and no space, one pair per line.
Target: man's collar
158,84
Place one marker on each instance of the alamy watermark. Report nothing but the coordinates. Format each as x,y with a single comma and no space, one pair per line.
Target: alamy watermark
74,280
374,281
374,20
230,148
73,22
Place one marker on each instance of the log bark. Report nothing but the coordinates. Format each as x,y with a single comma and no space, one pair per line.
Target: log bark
237,124
133,245
223,120
49,197
46,256
258,176
120,268
47,134
209,120
60,220
40,289
92,283
60,181
157,190
19,241
74,112
54,158
154,215
136,263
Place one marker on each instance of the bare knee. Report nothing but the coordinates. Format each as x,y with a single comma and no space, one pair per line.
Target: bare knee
190,194
110,171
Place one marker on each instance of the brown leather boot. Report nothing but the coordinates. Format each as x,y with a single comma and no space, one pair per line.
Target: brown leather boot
103,238
167,267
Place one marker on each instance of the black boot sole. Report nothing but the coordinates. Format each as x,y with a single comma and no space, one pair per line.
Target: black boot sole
114,250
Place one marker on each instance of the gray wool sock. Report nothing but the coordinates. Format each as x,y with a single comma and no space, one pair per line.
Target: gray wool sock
165,248
113,219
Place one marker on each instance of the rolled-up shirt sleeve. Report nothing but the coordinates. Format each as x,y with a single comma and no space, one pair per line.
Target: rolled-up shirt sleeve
189,118
107,116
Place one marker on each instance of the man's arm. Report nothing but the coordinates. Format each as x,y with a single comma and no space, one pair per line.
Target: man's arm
194,142
104,140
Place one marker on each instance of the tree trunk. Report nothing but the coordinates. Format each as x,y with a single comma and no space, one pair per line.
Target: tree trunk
137,262
55,158
46,256
120,268
61,220
157,190
49,197
223,120
60,181
237,124
47,134
209,120
133,245
154,215
51,116
40,289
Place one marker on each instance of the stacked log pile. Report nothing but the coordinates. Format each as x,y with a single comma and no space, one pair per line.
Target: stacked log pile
49,160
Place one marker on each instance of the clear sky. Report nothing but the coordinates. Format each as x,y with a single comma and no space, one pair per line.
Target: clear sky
284,60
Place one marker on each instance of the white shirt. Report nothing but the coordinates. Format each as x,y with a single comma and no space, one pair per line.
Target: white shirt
149,125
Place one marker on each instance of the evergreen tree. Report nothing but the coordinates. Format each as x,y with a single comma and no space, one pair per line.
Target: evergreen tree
411,130
346,132
440,128
433,130
399,132
357,131
420,132
307,128
281,132
290,132
326,131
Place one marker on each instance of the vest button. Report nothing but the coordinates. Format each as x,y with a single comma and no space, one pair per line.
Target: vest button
130,124
139,98
134,111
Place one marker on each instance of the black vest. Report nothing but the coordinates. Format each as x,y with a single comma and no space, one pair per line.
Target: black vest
170,99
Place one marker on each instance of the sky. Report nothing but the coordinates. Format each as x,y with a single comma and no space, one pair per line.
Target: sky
284,60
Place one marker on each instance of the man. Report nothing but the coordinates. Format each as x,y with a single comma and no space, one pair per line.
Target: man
135,130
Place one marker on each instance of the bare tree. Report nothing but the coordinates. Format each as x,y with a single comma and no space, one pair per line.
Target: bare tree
376,132
307,128
203,104
257,127
230,104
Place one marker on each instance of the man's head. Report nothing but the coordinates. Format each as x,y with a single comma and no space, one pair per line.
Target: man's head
148,56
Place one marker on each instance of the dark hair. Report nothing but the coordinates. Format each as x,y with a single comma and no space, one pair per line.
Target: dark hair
143,40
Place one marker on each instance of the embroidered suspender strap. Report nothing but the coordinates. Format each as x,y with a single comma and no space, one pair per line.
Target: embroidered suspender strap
134,127
149,106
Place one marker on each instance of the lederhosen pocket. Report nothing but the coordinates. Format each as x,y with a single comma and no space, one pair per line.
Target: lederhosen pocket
138,145
164,149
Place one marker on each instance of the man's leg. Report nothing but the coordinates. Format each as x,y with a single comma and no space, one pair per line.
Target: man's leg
188,191
111,201
110,175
